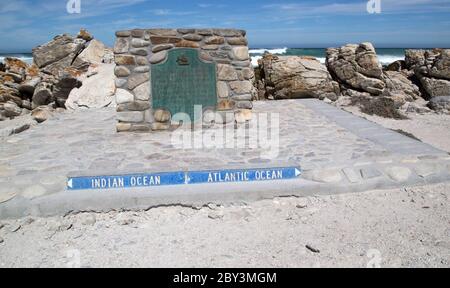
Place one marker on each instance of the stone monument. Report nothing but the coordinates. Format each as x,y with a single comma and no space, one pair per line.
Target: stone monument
164,75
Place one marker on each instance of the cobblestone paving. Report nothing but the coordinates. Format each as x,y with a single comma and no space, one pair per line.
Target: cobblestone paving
38,161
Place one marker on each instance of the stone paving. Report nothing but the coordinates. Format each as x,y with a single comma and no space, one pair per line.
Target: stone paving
326,142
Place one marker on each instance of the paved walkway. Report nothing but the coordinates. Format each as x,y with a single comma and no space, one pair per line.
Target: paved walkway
334,148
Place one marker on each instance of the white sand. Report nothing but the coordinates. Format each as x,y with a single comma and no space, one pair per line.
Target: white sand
430,128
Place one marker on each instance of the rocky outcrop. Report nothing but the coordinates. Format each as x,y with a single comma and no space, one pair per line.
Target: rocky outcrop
432,69
287,77
356,67
59,67
399,88
361,78
97,91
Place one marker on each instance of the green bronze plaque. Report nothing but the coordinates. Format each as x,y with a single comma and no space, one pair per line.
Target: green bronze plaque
183,81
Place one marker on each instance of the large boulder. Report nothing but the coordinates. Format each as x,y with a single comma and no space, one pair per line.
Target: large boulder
43,94
16,68
400,88
356,67
432,69
93,53
287,77
61,51
440,104
27,87
66,83
97,90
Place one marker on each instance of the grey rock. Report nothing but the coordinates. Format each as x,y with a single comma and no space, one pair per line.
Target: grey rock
142,92
142,69
139,43
122,71
137,79
42,94
162,47
296,77
440,104
161,115
241,53
186,31
130,116
125,59
435,87
357,66
244,105
244,97
211,48
42,113
226,72
237,41
204,32
97,91
163,32
158,126
123,96
26,104
432,68
11,109
241,87
141,60
400,88
59,48
248,73
125,33
28,86
139,51
222,89
120,82
137,33
193,37
158,57
66,83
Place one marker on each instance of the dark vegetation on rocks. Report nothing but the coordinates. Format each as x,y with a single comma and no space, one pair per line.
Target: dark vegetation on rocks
380,106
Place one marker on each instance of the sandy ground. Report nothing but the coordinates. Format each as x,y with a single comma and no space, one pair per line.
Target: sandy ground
407,227
430,128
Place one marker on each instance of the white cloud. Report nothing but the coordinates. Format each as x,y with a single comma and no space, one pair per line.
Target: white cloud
169,12
388,6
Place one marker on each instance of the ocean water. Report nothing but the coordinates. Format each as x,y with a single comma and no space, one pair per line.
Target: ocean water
385,55
26,57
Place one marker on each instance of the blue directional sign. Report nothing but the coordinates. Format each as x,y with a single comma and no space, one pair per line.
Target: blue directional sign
179,178
246,175
126,181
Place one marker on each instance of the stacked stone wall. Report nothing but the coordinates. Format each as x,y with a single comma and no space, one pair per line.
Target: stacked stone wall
136,50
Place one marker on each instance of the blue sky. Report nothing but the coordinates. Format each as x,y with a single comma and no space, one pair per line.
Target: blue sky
293,23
